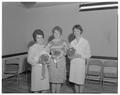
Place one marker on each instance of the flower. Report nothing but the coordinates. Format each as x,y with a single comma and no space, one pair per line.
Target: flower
56,53
44,58
70,52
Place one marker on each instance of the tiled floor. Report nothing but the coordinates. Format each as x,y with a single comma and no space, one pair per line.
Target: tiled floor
91,87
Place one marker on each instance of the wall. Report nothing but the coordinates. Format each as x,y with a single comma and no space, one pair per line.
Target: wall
14,24
100,27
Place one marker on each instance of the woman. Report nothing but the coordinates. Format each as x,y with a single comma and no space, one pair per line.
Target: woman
35,51
57,66
82,51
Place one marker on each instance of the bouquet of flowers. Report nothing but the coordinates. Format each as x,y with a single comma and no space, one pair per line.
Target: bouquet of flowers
71,52
44,58
56,54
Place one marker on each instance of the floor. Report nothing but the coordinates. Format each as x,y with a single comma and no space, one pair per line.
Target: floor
10,86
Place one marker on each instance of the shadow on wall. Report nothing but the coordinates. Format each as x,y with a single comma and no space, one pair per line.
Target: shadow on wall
30,44
50,38
71,37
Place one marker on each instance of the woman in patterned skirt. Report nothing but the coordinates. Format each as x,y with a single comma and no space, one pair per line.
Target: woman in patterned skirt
57,66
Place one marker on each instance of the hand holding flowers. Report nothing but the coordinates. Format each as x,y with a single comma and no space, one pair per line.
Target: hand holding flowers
43,59
56,54
72,54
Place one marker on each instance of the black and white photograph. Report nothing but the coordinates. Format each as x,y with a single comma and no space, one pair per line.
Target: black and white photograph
59,47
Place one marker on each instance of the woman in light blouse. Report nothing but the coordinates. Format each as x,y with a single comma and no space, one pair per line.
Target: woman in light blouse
35,51
77,66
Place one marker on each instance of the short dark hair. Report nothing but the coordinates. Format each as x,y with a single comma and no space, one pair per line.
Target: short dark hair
37,32
77,26
58,28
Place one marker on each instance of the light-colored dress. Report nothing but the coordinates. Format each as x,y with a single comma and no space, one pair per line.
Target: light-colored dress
77,66
37,83
57,71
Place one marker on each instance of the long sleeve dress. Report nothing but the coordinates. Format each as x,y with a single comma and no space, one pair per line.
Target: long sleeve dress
37,83
57,71
77,66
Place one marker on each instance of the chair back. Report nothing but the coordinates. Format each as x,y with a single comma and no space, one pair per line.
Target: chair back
12,64
94,65
111,68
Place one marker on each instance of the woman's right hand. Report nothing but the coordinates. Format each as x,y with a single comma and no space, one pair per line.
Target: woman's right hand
70,57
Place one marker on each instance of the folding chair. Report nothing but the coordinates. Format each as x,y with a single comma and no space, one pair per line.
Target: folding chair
110,72
12,68
94,70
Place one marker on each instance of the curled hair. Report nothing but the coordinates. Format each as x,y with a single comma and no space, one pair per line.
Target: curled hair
37,32
77,26
58,28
